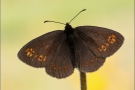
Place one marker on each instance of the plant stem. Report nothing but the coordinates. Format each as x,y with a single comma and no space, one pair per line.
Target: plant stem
83,81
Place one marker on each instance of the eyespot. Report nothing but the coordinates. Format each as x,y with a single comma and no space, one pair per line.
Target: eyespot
91,61
35,56
66,67
103,47
86,63
29,52
44,58
40,58
54,66
60,68
107,44
112,38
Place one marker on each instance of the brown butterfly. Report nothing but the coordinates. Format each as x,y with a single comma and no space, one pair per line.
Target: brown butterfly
60,51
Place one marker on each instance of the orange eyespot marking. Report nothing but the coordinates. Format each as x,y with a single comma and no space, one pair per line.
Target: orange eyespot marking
100,49
44,58
86,63
52,64
112,38
29,52
91,61
35,56
103,47
107,44
66,67
31,49
40,58
60,68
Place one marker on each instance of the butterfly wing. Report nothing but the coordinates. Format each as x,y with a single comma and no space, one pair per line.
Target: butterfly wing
61,62
48,51
102,41
38,51
93,45
86,60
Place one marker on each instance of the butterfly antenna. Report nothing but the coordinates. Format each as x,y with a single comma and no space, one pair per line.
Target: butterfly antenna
78,14
54,22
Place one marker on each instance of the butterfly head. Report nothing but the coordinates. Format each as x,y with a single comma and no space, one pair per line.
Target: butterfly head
68,28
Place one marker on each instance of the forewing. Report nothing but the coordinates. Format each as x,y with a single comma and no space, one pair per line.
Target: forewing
102,42
50,51
37,53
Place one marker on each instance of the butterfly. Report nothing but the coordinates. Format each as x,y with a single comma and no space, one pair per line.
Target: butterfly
61,51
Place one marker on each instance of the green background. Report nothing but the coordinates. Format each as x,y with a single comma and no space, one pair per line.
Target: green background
22,21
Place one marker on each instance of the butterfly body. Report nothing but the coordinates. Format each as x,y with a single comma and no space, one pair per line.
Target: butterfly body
83,47
69,31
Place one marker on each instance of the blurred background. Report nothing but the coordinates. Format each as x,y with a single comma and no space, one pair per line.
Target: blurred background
22,21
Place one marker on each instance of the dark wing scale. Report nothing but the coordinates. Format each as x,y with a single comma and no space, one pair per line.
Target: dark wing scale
60,65
102,42
37,53
86,60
